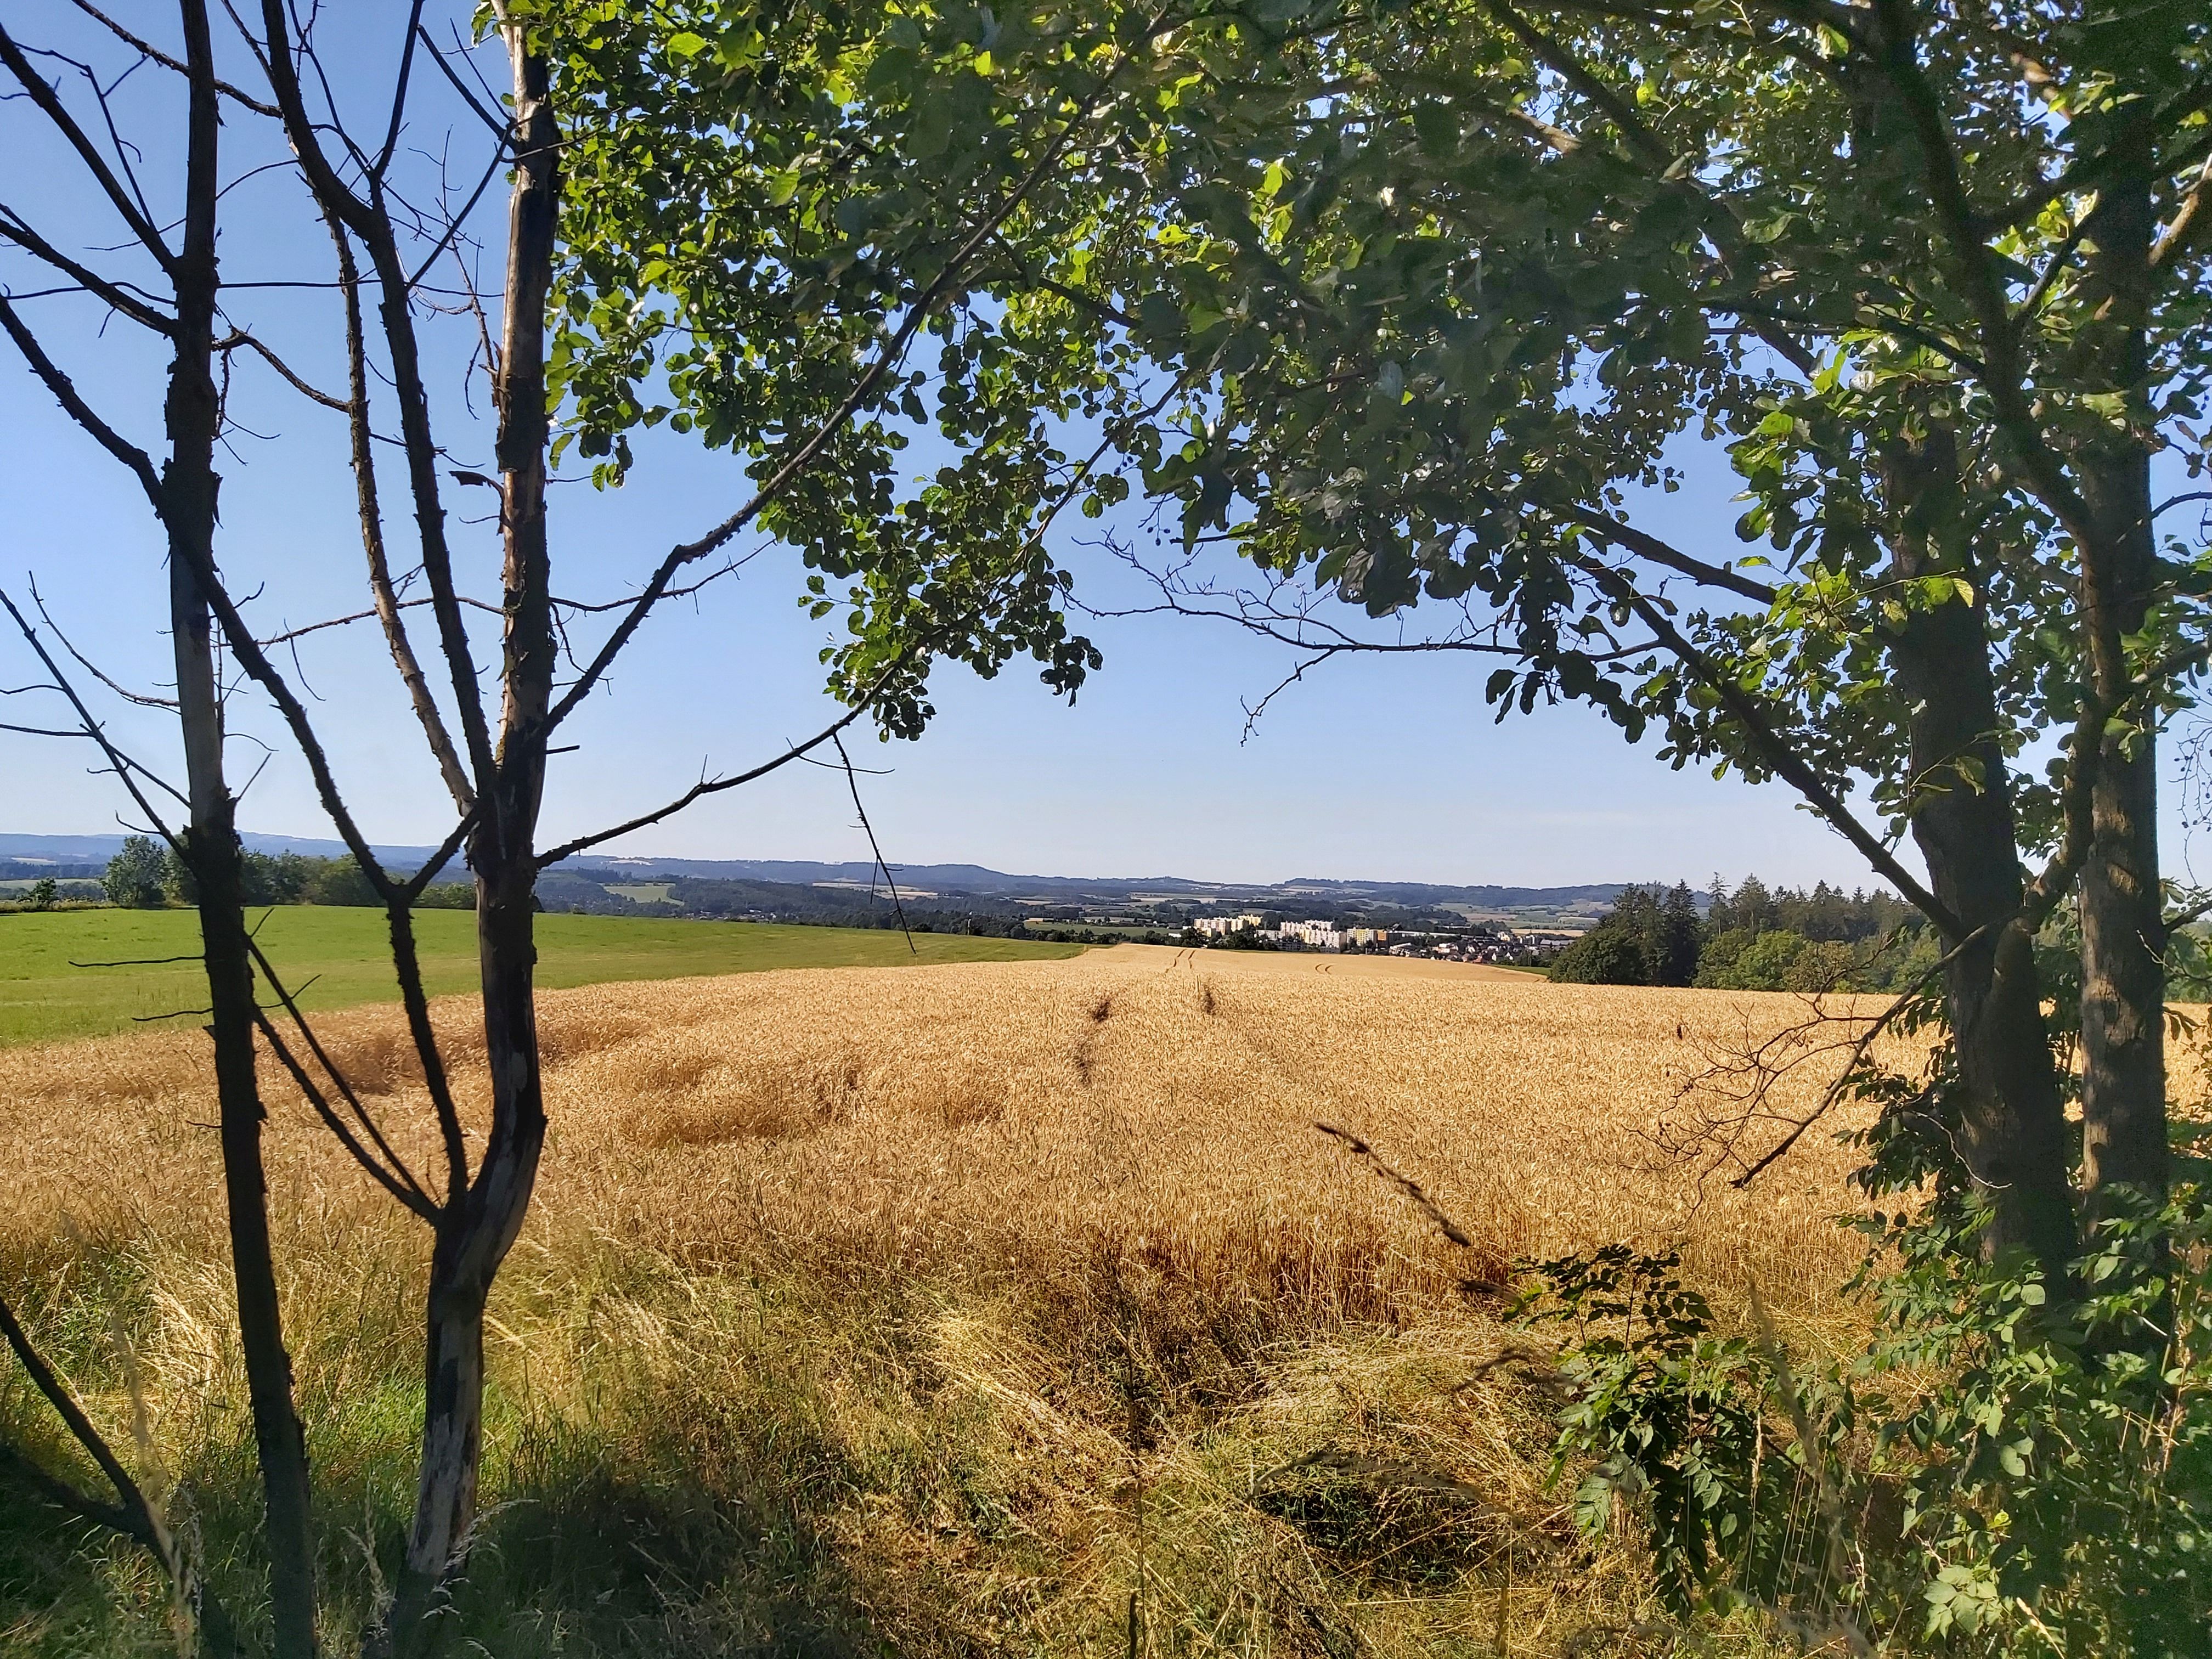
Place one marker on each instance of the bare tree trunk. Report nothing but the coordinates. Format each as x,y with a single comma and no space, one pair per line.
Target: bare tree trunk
2013,1115
188,511
2123,1125
474,1236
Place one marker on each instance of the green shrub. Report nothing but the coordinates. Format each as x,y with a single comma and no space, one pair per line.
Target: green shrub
2011,1467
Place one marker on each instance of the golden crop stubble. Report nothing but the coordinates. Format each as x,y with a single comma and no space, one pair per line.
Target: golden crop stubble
1032,1111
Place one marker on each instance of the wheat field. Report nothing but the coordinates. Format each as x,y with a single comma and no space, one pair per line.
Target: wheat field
1003,1307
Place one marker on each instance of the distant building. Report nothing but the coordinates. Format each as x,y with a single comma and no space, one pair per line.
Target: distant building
1222,927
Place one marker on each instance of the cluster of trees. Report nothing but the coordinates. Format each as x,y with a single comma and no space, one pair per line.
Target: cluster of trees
731,899
145,875
1756,939
43,894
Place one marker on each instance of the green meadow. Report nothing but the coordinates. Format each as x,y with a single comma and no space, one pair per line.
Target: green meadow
86,973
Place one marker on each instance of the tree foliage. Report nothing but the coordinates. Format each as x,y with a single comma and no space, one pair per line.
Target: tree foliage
1453,284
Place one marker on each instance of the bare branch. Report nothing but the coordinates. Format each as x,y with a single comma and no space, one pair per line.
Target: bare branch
16,229
715,786
371,222
407,965
135,1518
852,783
50,106
394,1176
498,127
239,339
418,883
301,632
156,55
383,161
586,608
124,692
385,599
72,402
128,770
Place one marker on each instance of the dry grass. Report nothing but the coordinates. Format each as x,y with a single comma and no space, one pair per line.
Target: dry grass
943,1310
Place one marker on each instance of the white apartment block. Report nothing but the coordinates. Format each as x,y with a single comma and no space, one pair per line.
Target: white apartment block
1222,927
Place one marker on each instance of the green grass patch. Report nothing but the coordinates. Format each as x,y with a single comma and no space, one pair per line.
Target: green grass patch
49,990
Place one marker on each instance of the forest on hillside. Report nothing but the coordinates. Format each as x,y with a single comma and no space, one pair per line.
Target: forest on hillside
1756,937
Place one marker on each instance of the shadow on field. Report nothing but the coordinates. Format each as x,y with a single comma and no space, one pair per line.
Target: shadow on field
574,1559
591,1561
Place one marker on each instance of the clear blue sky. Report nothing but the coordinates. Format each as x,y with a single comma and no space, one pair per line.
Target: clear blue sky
1387,769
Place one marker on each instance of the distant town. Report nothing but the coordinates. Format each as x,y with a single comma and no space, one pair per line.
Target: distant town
1521,947
1522,927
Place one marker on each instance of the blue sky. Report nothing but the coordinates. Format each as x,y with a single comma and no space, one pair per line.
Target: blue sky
1388,770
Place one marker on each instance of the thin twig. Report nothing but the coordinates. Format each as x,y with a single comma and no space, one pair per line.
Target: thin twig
853,784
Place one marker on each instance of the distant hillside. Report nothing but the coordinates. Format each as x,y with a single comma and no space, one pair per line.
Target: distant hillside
98,849
939,881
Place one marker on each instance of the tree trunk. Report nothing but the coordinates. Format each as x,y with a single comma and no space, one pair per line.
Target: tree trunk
475,1237
2123,1129
2012,1114
210,843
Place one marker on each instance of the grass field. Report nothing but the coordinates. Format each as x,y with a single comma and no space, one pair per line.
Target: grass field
341,955
953,1312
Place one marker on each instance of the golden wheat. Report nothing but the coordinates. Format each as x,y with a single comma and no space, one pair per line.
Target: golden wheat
1166,1101
1068,1227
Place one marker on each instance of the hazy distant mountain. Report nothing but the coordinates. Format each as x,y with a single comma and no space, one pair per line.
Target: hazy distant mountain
77,849
939,878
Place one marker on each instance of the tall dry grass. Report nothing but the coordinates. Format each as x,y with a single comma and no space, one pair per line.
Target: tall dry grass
945,1310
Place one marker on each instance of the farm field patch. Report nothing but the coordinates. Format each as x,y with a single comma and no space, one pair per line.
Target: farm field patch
340,956
878,1298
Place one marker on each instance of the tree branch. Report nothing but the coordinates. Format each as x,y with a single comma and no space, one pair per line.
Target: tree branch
2002,376
894,349
384,597
138,1520
148,50
1647,546
852,783
1774,750
122,691
73,404
239,338
1570,68
50,104
2188,222
369,221
715,786
16,229
394,1176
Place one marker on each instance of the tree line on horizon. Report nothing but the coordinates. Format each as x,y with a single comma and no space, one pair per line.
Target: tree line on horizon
1755,938
147,876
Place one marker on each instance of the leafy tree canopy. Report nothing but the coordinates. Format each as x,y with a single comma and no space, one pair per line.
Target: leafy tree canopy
1459,278
875,222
